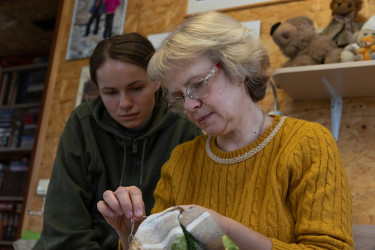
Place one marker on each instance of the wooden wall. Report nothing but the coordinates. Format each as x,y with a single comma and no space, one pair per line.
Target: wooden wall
357,132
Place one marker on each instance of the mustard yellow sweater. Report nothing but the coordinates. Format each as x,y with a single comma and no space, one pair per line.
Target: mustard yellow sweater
295,190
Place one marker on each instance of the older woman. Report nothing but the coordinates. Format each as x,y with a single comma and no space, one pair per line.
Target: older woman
268,181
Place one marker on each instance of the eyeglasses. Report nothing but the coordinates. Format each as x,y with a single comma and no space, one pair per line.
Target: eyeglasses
194,90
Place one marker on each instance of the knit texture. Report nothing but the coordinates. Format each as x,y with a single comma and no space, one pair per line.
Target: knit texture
294,191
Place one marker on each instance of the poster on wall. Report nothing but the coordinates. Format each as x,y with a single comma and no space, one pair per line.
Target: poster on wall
93,21
157,39
195,6
87,89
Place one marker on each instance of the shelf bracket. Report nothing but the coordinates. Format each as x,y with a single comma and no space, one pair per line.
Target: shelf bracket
336,107
38,213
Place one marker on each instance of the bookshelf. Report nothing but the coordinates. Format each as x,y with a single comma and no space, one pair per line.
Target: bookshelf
21,91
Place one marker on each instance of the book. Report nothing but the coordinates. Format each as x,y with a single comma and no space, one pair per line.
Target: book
26,141
6,81
15,86
31,86
6,122
12,89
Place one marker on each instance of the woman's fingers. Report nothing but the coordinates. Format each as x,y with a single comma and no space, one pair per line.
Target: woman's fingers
137,201
105,210
124,201
112,202
130,201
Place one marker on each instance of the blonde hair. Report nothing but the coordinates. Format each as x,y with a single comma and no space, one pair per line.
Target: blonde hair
220,38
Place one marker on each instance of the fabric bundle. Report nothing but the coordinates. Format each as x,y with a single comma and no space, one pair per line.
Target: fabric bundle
176,228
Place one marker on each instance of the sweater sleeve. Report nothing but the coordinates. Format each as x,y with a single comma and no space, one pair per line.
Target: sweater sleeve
164,190
67,222
318,194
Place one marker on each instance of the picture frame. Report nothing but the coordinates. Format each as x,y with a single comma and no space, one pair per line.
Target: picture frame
88,26
87,89
157,39
195,6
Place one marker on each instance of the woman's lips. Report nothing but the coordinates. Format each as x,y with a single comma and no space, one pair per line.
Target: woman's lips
129,116
203,119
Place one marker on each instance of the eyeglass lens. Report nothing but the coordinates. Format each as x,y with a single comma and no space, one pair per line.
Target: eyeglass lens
194,90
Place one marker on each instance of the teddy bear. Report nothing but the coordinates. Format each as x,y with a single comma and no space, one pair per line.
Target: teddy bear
343,23
350,52
298,41
367,48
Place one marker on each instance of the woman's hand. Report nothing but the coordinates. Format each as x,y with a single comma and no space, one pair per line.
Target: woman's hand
120,206
218,218
239,234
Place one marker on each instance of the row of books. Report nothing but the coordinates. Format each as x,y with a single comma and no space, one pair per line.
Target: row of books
17,129
8,226
13,178
9,219
18,87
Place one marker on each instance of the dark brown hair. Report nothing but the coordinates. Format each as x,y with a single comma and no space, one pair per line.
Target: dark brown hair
129,47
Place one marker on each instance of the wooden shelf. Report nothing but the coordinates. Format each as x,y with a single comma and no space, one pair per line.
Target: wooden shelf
20,106
15,150
6,243
349,79
328,81
11,198
25,67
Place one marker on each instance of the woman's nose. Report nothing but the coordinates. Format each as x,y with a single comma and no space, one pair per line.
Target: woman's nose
125,100
192,104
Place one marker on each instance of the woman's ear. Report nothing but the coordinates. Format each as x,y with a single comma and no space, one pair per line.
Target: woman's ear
242,80
156,86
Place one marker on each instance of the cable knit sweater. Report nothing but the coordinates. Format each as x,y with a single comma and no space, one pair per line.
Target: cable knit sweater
295,190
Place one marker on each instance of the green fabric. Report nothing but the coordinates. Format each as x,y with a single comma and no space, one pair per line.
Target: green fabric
192,243
90,159
30,235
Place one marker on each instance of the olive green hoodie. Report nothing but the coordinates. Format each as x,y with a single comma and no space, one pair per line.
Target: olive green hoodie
95,154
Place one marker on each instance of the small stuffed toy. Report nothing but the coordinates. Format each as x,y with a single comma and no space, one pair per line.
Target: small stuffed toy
350,52
367,48
343,24
297,40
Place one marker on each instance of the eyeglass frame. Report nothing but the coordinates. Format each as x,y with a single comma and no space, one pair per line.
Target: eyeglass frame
174,100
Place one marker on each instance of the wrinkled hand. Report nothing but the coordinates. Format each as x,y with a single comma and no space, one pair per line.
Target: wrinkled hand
218,218
120,206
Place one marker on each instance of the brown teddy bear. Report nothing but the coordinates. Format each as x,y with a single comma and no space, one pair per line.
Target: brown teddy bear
297,39
343,23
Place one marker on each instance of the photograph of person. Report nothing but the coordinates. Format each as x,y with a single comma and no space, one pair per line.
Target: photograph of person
93,21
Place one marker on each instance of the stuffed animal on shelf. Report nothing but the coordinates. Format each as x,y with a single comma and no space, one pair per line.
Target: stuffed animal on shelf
343,23
367,49
350,52
298,41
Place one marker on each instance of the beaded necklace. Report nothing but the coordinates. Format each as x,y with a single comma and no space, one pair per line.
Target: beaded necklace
249,153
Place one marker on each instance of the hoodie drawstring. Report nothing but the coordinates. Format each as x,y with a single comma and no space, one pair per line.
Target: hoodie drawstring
123,165
142,160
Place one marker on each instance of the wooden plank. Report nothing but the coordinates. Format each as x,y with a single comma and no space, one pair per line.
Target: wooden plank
349,79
